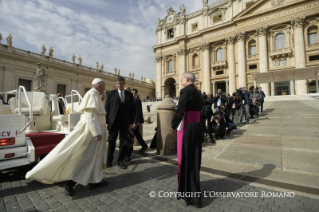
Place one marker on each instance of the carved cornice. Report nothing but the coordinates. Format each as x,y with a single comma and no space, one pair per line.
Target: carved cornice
193,50
262,31
230,40
182,52
204,46
298,22
158,59
241,36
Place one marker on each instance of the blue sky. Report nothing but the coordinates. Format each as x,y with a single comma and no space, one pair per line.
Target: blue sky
117,33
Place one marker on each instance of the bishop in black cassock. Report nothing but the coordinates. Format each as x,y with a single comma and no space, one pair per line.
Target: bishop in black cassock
189,147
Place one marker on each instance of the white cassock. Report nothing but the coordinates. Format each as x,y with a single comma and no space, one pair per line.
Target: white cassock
78,157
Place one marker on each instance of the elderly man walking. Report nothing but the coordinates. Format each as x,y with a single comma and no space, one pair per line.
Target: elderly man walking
189,146
78,158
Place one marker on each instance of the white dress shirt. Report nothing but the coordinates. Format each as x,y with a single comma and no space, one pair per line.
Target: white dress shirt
121,95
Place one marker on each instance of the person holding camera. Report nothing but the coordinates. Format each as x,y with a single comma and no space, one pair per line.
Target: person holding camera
219,100
218,126
246,102
255,96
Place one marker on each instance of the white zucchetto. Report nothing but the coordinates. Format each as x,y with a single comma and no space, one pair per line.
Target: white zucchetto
96,81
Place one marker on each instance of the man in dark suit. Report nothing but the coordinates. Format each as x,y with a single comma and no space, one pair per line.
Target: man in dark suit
119,117
246,101
138,119
262,97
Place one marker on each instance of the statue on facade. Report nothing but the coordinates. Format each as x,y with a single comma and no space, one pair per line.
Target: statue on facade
119,72
0,37
141,78
132,75
115,71
102,67
183,10
73,58
129,75
80,60
9,40
43,49
205,3
97,66
39,79
51,52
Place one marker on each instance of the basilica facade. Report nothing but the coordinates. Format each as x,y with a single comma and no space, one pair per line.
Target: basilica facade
224,43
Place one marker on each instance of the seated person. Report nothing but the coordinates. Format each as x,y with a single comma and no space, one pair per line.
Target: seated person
218,126
228,123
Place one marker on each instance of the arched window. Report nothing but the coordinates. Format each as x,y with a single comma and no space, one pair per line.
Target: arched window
220,54
280,41
252,48
170,66
312,35
195,60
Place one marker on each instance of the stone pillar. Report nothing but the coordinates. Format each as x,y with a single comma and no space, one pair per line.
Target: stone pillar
317,88
166,137
227,90
158,61
300,57
241,60
214,88
163,91
292,87
272,89
2,69
231,63
177,90
182,60
206,81
263,55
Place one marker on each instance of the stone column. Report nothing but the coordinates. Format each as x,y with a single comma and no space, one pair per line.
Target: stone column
300,57
292,87
2,69
206,81
158,61
182,61
177,90
263,55
227,90
231,62
241,60
272,89
214,88
166,137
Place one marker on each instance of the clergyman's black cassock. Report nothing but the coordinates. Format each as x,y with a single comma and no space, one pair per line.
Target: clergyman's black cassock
190,104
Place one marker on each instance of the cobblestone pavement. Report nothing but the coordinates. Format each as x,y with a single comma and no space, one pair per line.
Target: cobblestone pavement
129,190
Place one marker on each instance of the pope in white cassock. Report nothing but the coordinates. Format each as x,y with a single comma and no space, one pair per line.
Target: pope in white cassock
78,158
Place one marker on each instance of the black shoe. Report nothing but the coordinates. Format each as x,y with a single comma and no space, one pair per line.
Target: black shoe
109,164
128,158
121,164
97,185
69,193
143,149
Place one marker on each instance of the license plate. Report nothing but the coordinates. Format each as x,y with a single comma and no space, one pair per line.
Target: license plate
8,133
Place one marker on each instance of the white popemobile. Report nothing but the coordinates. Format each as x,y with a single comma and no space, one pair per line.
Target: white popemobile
31,125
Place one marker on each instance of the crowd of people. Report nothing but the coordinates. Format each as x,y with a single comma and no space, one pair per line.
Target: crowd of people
222,114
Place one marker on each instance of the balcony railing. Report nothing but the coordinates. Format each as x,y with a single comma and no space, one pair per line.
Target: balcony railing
253,56
219,64
281,52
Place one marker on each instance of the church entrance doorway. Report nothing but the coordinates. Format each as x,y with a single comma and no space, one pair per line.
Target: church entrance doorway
170,88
